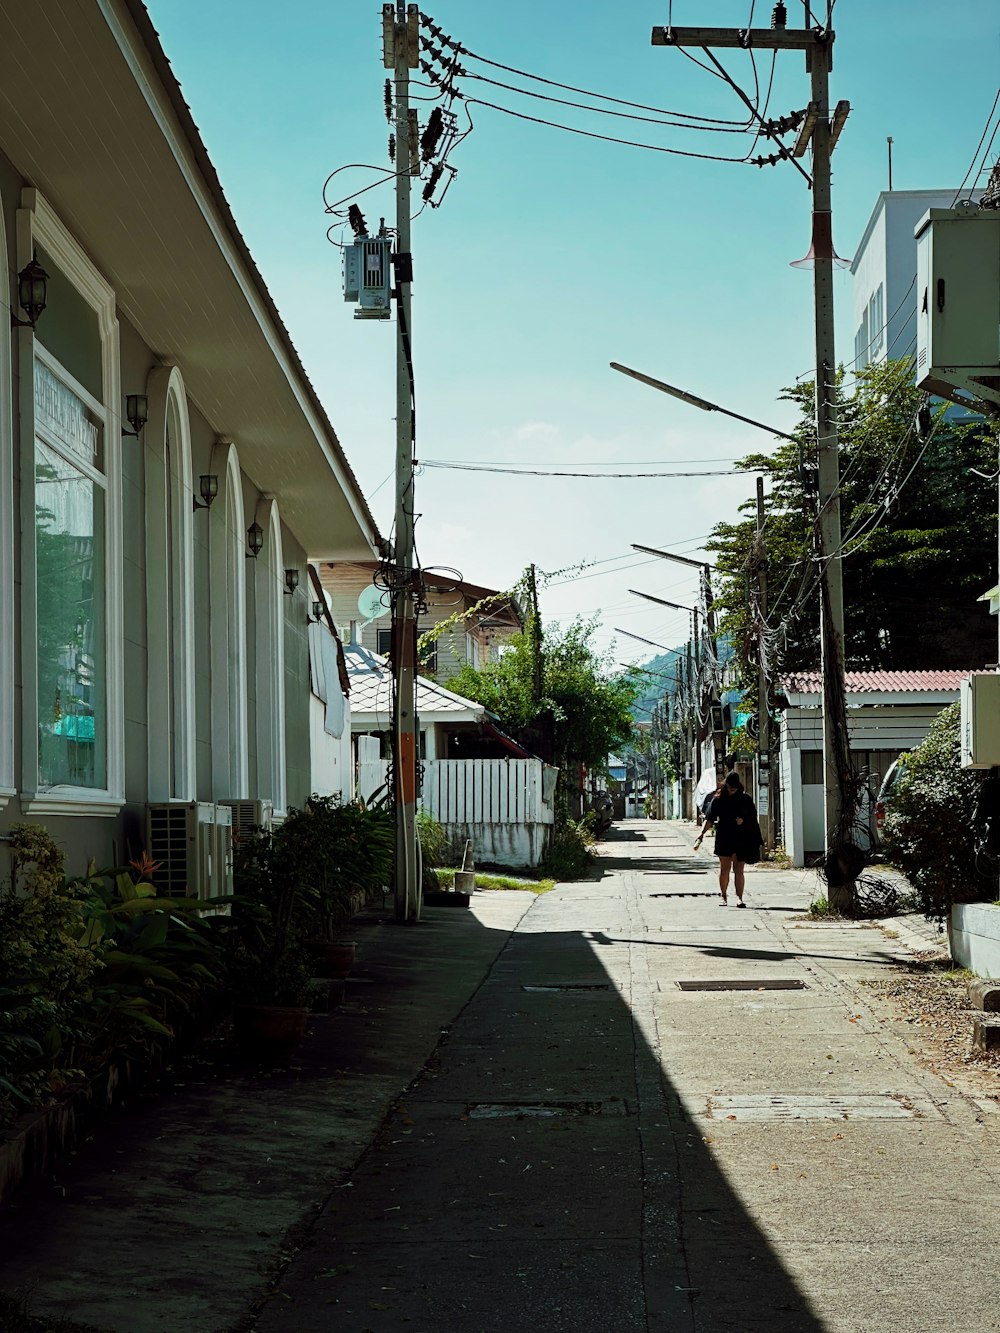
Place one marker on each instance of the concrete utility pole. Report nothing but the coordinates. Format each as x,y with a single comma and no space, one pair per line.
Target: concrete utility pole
400,27
821,133
765,803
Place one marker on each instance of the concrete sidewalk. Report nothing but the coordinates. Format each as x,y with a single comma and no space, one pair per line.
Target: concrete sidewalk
625,1108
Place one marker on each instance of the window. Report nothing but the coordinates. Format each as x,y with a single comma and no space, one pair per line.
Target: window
70,622
72,613
812,768
876,318
428,656
384,642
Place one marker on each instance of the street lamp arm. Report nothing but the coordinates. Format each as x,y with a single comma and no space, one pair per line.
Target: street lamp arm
662,601
629,635
667,555
703,403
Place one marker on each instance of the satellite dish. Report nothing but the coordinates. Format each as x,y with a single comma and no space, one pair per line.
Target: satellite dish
370,604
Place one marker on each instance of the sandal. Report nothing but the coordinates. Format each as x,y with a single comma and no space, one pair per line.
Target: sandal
741,903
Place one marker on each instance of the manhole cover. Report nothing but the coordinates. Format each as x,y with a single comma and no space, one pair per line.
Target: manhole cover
568,986
778,983
875,1106
542,1110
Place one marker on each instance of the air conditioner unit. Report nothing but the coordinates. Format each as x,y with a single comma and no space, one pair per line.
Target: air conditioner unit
248,814
193,842
979,725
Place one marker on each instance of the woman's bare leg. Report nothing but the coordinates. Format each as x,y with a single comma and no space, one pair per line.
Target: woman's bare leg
725,863
738,879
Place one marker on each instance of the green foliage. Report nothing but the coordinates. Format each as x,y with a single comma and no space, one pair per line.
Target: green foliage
569,855
294,884
91,967
928,829
435,848
583,706
913,566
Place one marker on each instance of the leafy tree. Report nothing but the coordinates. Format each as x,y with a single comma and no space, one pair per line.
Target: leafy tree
578,706
916,526
930,830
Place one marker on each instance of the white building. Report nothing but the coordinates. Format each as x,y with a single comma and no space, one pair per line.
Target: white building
884,274
887,712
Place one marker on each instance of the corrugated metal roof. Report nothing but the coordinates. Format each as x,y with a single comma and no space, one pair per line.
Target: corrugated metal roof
371,689
880,682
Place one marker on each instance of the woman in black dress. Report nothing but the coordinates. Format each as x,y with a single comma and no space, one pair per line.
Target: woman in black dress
737,835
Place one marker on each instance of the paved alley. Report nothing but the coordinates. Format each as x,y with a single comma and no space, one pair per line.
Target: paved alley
623,1108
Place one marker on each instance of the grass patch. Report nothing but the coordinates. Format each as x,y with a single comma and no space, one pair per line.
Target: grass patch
820,910
447,879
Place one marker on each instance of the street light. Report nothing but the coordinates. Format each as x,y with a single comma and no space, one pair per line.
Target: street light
703,403
662,601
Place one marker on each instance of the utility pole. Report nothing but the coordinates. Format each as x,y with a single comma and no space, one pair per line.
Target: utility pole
765,805
818,131
400,28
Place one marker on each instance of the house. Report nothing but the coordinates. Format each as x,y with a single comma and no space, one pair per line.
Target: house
167,470
480,785
884,274
479,620
887,712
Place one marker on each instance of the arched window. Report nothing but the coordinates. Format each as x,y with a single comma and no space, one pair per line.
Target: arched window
169,589
267,586
227,556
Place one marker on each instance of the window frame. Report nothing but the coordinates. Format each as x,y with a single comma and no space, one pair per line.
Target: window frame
37,224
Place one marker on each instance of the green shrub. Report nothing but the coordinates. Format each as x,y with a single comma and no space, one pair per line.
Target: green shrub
929,825
569,854
435,848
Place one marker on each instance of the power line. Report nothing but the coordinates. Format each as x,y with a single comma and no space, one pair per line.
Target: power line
975,155
593,476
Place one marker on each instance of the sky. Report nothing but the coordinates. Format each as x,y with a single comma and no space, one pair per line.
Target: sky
554,254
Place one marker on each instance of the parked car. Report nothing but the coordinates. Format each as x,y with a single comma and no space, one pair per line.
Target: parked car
890,783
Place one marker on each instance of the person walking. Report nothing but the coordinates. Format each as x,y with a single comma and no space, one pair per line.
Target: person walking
738,837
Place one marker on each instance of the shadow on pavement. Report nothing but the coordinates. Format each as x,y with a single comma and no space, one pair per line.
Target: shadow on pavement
454,1153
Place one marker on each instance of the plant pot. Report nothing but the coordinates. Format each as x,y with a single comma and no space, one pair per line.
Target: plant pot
269,1032
333,959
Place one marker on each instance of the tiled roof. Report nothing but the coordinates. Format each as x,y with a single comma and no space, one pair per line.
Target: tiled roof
880,682
371,689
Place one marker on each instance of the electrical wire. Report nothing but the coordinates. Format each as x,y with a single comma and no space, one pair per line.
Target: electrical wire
975,155
593,476
566,87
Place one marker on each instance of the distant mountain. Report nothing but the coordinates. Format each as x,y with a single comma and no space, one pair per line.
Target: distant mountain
661,680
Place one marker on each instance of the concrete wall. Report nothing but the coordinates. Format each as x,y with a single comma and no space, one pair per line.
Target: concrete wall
974,932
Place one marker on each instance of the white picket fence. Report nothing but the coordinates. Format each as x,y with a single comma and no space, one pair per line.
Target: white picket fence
503,806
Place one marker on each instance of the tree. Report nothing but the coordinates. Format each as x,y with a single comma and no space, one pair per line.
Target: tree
583,708
932,832
916,524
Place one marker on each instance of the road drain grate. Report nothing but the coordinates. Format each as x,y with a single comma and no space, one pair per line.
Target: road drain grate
779,983
875,1106
543,1110
561,987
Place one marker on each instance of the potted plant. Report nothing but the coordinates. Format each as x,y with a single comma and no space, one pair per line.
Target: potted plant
268,960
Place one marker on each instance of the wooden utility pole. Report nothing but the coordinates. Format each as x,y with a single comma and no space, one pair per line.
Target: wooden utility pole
400,26
819,132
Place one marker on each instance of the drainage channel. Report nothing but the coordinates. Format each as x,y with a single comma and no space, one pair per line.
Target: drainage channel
545,1110
567,987
872,1106
778,983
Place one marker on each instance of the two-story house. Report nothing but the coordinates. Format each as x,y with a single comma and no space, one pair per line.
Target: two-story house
477,621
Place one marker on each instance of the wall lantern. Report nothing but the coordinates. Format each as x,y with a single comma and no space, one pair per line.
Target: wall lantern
136,412
208,485
291,580
318,609
31,293
255,540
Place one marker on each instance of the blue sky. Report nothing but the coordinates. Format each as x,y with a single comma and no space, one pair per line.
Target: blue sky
553,255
